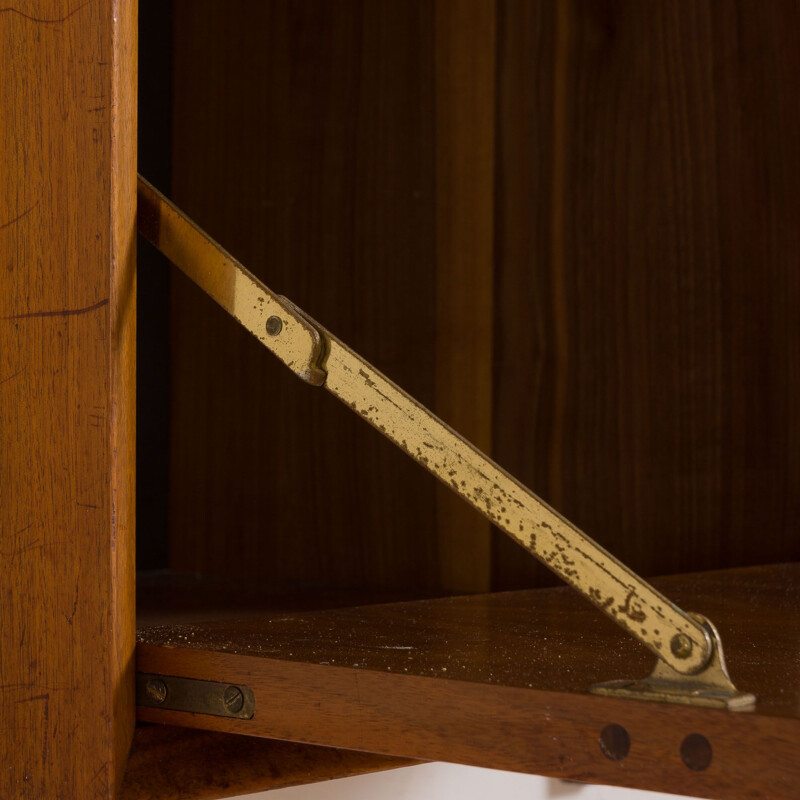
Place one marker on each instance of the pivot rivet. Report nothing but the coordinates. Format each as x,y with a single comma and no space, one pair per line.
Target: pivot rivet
681,645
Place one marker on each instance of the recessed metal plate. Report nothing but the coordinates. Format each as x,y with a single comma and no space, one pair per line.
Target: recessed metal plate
194,696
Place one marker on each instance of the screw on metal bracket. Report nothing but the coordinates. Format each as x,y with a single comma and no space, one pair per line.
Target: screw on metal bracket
274,326
233,699
156,690
681,645
174,693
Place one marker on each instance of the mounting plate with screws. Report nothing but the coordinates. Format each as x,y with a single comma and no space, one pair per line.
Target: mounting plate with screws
194,696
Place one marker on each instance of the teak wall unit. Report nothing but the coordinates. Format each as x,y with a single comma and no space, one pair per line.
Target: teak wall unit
67,394
568,227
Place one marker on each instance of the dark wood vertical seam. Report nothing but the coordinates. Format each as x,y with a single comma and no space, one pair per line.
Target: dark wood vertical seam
557,254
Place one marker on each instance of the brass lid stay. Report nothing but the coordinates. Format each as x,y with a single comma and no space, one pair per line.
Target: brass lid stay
691,667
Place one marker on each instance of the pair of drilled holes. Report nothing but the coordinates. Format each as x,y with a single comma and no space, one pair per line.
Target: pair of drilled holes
695,749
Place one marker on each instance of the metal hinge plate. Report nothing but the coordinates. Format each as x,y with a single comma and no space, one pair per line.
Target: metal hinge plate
194,696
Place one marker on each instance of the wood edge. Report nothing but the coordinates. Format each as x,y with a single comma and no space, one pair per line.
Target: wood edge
550,733
123,16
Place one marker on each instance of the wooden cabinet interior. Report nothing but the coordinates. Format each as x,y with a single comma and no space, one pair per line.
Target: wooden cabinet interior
568,227
584,258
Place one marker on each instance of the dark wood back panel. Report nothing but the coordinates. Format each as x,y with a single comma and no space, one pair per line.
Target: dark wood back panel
648,225
304,141
641,304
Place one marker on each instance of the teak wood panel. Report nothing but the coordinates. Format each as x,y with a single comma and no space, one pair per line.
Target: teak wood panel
67,348
169,763
647,336
501,681
632,355
464,60
316,125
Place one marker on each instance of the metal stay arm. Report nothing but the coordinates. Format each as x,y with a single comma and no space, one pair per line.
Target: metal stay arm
685,643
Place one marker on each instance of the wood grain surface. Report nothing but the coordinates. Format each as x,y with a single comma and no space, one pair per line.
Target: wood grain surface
501,681
67,349
169,763
647,337
464,58
314,126
628,345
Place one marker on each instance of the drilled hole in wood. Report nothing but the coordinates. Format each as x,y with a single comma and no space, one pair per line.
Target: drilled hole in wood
615,742
696,752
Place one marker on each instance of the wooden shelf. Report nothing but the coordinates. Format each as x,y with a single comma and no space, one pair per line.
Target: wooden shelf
501,681
179,762
168,763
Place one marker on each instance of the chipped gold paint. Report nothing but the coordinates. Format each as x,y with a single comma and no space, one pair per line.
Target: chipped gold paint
319,358
567,551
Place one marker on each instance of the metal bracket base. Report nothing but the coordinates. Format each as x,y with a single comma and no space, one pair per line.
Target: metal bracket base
195,696
710,688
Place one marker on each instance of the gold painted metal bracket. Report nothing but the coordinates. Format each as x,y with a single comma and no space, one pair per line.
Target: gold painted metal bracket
232,286
687,646
712,687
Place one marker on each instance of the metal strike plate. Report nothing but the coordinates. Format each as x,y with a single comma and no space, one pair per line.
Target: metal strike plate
194,696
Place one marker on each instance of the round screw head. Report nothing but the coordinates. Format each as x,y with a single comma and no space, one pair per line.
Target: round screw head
681,645
233,699
274,326
156,690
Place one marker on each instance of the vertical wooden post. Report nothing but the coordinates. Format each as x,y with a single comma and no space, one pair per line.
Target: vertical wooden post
67,347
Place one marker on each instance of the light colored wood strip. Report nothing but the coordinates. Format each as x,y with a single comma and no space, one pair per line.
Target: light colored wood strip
67,323
121,513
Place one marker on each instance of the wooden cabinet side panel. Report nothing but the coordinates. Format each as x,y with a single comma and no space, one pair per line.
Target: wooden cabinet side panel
67,317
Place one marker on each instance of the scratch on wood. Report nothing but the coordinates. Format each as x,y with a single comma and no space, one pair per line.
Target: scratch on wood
18,372
70,617
35,697
23,214
66,312
45,20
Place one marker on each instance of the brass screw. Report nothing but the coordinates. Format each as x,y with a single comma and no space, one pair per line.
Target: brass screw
233,699
681,645
156,690
274,326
